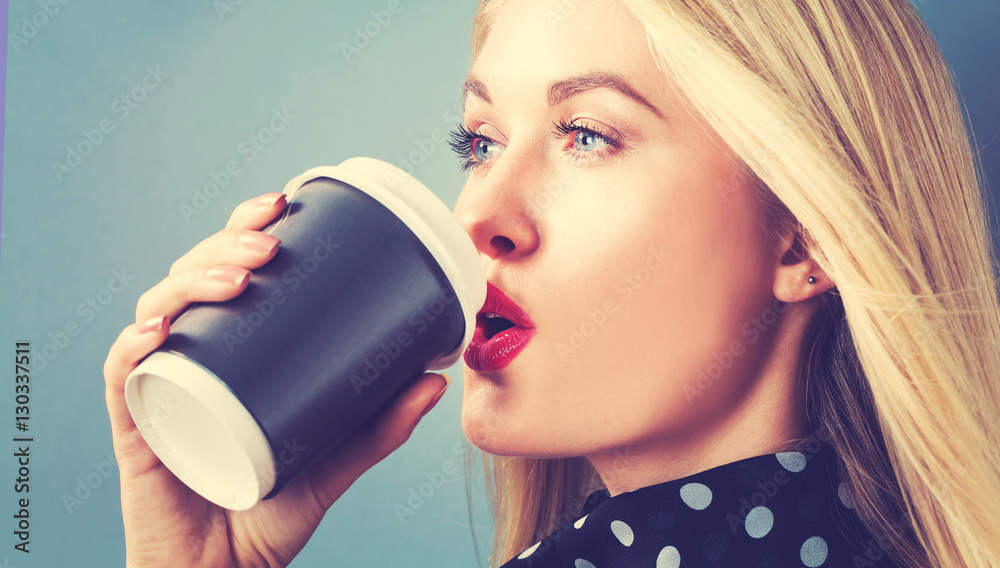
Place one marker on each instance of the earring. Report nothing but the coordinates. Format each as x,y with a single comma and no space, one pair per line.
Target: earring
812,279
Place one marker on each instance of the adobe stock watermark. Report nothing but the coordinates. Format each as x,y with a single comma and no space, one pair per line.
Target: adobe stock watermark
301,271
625,287
423,148
875,550
552,189
761,154
218,527
363,35
250,147
496,422
562,12
424,491
87,309
86,485
566,8
420,321
31,26
564,522
754,330
122,107
768,488
225,7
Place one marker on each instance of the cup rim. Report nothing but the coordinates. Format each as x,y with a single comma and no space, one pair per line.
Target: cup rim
426,215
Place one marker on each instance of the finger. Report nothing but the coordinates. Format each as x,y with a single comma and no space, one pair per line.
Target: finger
256,213
239,247
382,434
133,344
173,294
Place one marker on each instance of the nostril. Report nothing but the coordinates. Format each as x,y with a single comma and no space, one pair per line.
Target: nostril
502,244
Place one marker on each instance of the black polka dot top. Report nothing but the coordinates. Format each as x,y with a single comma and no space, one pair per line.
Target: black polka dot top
777,510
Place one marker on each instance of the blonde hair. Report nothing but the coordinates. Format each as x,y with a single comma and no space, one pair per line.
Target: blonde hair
847,117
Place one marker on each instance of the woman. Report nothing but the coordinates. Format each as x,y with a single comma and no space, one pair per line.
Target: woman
748,241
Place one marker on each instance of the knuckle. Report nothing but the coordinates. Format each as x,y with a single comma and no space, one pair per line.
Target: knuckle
219,245
178,265
141,303
116,357
388,438
109,365
177,290
145,306
239,212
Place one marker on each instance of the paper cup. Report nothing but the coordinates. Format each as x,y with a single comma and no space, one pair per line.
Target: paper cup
374,283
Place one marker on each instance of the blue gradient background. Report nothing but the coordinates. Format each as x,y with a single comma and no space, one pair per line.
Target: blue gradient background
119,210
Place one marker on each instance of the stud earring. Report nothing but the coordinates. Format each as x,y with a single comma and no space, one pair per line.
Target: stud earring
812,279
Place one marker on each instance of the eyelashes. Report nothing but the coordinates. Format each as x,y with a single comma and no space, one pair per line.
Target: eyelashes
465,143
565,128
461,143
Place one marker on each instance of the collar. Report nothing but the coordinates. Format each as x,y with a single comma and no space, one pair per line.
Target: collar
772,510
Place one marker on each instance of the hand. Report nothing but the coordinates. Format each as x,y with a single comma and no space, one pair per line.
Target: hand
168,524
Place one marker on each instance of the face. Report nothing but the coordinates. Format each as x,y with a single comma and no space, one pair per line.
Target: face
620,224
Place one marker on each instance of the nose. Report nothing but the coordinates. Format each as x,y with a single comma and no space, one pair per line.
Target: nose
496,216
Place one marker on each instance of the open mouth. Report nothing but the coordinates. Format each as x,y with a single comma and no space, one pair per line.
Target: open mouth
502,331
492,324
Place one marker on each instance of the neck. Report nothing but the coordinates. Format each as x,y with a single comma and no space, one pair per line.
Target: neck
768,418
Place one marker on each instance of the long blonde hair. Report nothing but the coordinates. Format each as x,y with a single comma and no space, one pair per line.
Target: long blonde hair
847,117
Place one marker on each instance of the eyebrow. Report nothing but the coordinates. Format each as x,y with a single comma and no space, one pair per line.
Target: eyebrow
561,90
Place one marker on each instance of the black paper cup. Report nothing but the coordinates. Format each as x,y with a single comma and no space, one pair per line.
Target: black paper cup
374,283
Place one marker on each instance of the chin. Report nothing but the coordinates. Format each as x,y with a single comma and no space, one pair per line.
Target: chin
501,435
495,433
484,431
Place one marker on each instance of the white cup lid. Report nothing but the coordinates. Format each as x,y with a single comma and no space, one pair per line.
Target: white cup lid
429,219
200,430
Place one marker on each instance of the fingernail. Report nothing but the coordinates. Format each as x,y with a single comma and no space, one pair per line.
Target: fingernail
259,242
152,324
437,397
269,200
228,275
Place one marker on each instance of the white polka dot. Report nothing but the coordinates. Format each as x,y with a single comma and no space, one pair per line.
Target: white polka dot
792,461
813,551
759,522
528,552
581,563
623,532
845,495
669,557
696,495
579,522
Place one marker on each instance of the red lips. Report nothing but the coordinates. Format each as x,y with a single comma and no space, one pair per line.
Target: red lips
498,340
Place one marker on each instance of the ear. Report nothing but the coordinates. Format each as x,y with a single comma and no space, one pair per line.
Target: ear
793,269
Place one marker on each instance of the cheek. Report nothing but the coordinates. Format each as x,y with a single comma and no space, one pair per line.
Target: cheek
692,313
655,290
673,257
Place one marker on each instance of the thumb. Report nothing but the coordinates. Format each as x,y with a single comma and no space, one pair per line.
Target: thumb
379,436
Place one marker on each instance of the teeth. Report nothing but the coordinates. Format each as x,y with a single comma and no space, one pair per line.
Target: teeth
492,315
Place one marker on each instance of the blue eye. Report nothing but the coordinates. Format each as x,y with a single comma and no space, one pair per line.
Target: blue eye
585,141
484,149
474,149
588,141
